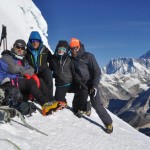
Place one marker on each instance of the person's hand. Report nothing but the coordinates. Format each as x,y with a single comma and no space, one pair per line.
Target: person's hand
93,92
27,76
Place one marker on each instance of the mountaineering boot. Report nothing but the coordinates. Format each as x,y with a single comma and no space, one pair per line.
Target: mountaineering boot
88,113
109,128
61,105
80,113
88,108
49,107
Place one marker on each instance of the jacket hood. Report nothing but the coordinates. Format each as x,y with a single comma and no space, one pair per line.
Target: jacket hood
12,53
62,43
34,36
6,52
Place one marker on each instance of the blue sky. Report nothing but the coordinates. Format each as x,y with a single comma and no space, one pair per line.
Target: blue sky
108,28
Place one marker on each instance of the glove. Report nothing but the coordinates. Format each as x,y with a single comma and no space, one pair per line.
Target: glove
93,92
36,79
27,76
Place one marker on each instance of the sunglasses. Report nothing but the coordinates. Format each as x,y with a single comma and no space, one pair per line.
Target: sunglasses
62,49
74,48
18,47
35,40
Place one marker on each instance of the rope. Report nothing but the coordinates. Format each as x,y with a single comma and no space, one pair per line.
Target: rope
22,119
16,146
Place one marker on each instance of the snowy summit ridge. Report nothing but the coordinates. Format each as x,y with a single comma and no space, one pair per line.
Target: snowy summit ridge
65,131
128,66
21,17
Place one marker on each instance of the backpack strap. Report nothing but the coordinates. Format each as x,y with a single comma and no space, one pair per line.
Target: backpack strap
14,82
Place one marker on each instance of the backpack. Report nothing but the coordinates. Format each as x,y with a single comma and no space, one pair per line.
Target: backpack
14,99
26,108
4,71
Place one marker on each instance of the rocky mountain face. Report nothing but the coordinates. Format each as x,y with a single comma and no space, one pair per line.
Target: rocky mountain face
125,90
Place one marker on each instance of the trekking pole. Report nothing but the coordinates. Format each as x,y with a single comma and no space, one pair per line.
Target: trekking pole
12,143
5,41
3,44
17,113
3,37
27,125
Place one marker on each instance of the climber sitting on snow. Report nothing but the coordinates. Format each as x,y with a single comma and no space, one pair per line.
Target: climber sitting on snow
22,76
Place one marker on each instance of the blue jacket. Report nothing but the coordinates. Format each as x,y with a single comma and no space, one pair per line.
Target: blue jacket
4,71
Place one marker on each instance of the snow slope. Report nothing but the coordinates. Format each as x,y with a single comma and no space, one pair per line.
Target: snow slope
67,132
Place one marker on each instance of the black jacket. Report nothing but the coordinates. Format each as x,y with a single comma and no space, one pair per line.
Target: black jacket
61,68
44,57
86,68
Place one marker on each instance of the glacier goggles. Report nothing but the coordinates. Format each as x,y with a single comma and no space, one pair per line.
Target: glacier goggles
34,40
19,47
62,49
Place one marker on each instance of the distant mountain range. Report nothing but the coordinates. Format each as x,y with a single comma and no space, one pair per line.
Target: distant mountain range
125,90
146,55
129,65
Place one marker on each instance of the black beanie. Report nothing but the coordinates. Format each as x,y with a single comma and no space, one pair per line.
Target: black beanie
63,43
20,43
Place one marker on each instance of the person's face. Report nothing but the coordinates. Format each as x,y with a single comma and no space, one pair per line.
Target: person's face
74,51
61,51
19,50
35,44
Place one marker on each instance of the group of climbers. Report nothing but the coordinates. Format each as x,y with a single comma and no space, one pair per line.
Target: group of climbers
30,68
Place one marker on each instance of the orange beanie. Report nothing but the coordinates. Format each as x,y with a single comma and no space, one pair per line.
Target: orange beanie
74,42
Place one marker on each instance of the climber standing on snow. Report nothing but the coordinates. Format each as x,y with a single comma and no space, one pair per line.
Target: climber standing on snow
87,72
38,56
61,67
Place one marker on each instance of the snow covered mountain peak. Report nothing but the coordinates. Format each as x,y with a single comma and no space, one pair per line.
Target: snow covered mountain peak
128,66
126,76
146,55
21,17
117,65
123,82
